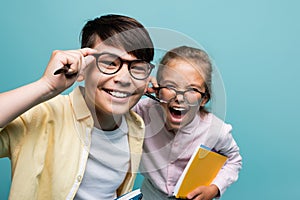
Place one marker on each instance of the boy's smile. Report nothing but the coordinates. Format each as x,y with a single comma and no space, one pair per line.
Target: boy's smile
118,94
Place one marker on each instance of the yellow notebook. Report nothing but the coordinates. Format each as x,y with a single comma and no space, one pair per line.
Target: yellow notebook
201,169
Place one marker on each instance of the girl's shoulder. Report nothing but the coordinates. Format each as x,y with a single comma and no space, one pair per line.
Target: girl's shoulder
216,125
145,104
212,119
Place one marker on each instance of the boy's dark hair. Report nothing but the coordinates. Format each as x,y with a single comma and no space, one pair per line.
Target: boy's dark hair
119,31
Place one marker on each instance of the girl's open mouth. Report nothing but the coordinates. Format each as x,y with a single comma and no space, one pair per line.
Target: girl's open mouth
178,112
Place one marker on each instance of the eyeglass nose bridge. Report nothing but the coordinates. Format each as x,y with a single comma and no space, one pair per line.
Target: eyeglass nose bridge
121,61
182,93
129,63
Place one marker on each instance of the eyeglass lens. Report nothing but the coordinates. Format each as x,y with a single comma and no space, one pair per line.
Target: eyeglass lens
110,64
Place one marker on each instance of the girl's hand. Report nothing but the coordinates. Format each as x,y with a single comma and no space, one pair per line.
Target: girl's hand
204,193
154,84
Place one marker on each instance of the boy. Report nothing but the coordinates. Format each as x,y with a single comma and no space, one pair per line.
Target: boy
85,145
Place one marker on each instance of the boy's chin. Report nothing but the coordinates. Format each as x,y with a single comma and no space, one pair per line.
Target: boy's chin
119,110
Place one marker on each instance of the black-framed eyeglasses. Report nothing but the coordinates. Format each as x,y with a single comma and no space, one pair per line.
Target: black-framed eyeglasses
109,64
191,96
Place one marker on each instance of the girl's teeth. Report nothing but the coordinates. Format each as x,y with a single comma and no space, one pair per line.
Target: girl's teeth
179,109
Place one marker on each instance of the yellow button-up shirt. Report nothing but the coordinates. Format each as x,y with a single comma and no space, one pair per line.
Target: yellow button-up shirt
49,145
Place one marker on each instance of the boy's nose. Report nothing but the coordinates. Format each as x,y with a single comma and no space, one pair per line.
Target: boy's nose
123,76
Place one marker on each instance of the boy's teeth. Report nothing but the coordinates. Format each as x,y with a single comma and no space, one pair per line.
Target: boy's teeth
118,94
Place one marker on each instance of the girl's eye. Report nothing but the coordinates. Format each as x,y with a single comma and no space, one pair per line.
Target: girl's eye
170,86
193,89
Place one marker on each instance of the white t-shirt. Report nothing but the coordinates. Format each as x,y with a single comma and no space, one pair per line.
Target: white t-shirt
107,164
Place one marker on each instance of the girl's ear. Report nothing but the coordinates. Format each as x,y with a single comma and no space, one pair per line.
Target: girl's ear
204,101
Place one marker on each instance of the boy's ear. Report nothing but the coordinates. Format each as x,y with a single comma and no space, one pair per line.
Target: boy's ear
80,77
145,90
147,85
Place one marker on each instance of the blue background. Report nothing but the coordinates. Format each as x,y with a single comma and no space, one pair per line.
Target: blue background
255,45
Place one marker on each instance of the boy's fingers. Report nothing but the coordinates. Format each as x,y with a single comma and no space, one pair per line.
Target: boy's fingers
87,51
76,61
87,60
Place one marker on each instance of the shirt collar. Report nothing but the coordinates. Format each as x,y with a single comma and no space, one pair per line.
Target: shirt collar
78,103
190,127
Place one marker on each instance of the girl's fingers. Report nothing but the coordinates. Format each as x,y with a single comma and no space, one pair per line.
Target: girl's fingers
153,81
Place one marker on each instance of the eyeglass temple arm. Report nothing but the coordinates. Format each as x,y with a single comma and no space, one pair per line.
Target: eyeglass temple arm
152,97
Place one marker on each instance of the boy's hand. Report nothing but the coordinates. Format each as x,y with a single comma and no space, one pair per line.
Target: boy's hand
204,193
76,60
15,102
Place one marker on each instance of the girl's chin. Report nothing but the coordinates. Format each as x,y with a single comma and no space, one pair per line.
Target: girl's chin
173,127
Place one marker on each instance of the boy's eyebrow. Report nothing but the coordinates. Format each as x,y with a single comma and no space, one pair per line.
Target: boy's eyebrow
113,54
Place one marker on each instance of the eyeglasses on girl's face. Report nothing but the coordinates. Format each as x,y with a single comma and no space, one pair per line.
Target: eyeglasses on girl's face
191,96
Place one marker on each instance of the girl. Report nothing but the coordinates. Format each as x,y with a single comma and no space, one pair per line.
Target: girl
177,122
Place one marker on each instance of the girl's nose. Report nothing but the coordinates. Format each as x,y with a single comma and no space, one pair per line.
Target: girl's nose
179,98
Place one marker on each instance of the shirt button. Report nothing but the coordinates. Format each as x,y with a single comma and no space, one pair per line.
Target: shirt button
79,177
